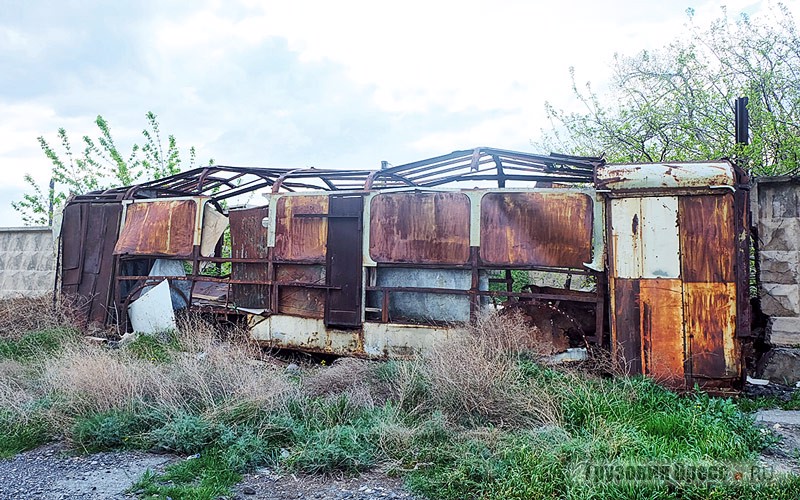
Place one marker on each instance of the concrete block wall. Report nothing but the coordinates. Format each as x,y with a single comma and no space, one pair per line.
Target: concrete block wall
27,261
776,210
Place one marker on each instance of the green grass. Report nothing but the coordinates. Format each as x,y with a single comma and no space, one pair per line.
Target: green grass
36,344
607,422
597,423
769,402
113,429
153,348
18,435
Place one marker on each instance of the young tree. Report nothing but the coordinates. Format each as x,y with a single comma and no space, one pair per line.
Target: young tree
100,165
677,103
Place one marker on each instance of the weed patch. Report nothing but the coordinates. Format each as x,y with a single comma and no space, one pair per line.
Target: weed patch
36,344
476,417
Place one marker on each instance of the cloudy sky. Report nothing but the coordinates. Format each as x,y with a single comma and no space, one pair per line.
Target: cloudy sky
341,84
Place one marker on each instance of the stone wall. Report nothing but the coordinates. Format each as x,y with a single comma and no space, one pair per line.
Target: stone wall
27,261
776,209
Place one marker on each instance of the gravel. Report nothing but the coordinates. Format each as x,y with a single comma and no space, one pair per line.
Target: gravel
266,484
54,472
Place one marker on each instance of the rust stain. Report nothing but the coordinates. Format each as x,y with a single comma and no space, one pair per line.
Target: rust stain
707,238
431,228
626,338
710,312
663,346
301,301
301,238
249,241
299,272
544,229
158,228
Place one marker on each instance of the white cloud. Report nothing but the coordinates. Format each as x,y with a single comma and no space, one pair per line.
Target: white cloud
344,83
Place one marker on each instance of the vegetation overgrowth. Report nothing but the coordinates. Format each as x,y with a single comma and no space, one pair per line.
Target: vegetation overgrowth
477,417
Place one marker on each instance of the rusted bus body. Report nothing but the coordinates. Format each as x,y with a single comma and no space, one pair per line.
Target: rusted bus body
678,270
419,265
385,263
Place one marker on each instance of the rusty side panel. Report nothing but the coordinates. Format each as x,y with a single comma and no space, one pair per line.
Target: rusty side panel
89,232
301,301
73,237
707,238
428,228
710,312
538,229
301,238
661,305
626,335
158,228
249,241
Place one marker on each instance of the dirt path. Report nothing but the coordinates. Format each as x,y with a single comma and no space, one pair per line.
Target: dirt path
53,472
782,458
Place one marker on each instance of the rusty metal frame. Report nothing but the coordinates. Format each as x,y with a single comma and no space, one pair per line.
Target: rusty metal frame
220,182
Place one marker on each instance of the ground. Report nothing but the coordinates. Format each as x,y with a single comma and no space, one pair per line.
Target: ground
53,472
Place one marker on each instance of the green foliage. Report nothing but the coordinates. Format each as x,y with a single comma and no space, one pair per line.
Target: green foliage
391,421
186,433
35,345
203,478
99,165
152,348
22,432
520,278
750,405
676,103
109,430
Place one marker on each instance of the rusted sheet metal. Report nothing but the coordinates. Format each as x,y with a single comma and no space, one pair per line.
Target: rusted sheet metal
665,175
626,338
249,241
300,301
428,228
538,229
661,308
344,268
301,238
710,314
89,231
164,228
287,273
707,238
644,237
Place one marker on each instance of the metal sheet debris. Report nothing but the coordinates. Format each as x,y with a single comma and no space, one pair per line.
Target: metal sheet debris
152,312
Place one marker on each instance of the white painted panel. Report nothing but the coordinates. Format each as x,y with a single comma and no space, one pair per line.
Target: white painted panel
660,240
665,175
152,312
644,235
626,239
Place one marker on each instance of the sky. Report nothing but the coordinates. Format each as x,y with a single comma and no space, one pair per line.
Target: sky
341,84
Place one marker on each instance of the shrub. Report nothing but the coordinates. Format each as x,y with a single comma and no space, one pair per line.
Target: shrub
109,430
187,434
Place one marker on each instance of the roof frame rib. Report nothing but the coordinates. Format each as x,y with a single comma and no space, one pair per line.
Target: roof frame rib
479,164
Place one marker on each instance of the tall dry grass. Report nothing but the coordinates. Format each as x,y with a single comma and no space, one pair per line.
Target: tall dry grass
475,375
204,375
20,316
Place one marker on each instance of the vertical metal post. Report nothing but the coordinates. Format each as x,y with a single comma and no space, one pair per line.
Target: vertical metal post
742,121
